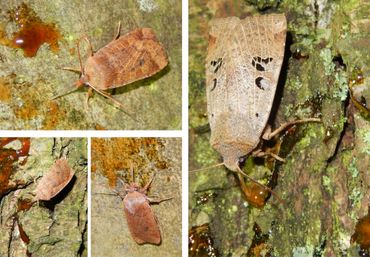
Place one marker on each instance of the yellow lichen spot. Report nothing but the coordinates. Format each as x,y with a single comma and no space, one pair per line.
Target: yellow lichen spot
115,157
5,93
54,112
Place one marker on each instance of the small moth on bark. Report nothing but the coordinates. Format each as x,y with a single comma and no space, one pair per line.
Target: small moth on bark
242,70
141,220
126,59
51,184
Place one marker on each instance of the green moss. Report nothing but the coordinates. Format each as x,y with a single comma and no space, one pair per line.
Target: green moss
307,139
264,4
326,181
232,210
355,196
347,158
205,155
327,58
365,137
352,168
303,251
341,83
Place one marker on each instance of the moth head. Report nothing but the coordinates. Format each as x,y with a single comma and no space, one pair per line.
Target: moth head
133,187
81,81
231,162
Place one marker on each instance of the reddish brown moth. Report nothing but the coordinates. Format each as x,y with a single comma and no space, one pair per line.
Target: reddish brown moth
57,178
126,59
140,217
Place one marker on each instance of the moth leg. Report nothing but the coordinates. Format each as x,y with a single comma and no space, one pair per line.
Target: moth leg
267,135
118,31
115,101
90,93
151,200
77,70
145,188
260,153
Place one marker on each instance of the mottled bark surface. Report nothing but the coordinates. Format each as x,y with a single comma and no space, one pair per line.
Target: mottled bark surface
47,228
111,163
325,180
28,84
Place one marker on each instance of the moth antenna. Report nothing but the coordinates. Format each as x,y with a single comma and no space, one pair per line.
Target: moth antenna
123,185
132,172
120,105
262,185
100,193
90,46
65,93
207,168
79,52
79,55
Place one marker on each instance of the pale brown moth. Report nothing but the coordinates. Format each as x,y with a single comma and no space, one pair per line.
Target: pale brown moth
57,178
243,64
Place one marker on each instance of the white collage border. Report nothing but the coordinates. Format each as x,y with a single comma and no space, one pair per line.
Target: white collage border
138,133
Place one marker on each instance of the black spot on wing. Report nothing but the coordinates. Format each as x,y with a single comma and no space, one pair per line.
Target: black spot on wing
216,64
214,84
258,83
261,63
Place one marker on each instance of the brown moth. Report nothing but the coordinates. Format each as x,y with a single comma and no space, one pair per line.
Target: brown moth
141,220
57,178
242,70
126,59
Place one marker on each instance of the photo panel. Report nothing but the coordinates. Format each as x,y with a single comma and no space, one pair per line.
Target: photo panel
136,197
279,130
90,65
43,196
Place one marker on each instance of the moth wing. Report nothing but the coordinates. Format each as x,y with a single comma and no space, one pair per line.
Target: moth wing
59,175
240,90
141,220
132,57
